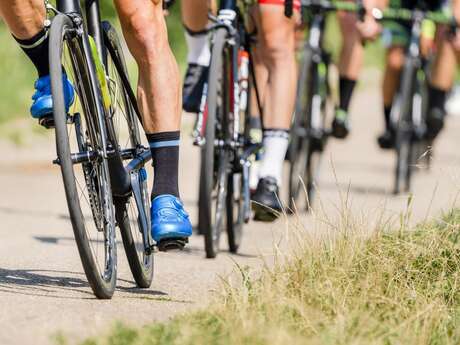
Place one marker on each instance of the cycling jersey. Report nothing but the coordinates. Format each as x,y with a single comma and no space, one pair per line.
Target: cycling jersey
279,2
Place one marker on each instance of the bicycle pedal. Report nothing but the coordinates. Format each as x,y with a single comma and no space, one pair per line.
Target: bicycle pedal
47,121
172,244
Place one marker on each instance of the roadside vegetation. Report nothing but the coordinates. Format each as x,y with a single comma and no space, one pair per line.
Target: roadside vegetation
397,287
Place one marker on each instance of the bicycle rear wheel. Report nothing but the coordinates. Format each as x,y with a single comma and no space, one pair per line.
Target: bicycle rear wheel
81,141
215,159
124,133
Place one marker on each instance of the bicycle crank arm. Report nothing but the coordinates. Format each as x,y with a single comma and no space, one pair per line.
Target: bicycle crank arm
144,220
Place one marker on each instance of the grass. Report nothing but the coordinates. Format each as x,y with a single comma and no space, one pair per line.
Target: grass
18,76
387,288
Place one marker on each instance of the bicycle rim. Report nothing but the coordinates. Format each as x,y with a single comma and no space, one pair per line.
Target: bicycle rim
87,185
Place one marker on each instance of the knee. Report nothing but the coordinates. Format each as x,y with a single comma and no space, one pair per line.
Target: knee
278,51
395,59
146,32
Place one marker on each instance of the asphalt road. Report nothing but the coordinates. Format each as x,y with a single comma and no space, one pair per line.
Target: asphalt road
43,291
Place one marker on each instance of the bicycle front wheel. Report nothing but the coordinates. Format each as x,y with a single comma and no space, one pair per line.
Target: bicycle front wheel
80,141
124,133
215,159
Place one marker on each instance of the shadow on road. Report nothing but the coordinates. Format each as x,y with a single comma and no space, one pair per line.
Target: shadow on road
45,283
55,284
33,213
357,189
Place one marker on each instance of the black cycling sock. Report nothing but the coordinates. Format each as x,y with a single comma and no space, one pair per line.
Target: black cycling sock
346,87
36,48
436,98
165,157
387,114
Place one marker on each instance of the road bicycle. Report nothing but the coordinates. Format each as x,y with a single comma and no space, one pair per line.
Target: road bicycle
222,131
98,144
409,109
309,134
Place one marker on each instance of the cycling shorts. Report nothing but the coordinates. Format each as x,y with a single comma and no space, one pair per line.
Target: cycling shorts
279,2
397,33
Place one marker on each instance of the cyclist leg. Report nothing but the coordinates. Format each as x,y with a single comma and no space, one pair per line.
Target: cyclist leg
195,21
350,63
441,81
159,99
395,37
25,19
353,32
276,51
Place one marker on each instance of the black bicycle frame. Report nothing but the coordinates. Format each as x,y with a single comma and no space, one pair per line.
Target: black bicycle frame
412,52
228,5
93,19
121,185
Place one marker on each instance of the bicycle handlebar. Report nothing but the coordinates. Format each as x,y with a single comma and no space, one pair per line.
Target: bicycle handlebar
380,15
410,16
327,6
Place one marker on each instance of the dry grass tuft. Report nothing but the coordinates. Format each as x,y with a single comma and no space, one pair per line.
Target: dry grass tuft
388,288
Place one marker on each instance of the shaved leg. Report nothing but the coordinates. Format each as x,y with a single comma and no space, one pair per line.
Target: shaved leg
195,14
276,51
25,18
159,94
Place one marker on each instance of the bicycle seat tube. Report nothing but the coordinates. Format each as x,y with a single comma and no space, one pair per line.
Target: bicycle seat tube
227,5
416,32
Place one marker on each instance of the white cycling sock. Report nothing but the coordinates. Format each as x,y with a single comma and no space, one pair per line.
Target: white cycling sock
275,144
198,49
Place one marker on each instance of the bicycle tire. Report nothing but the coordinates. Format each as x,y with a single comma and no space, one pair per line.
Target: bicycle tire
301,150
214,171
404,143
235,211
61,33
140,263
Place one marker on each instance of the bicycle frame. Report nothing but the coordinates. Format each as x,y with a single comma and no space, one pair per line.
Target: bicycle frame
93,18
124,180
413,52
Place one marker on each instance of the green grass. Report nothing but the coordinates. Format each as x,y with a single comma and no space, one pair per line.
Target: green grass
390,288
18,76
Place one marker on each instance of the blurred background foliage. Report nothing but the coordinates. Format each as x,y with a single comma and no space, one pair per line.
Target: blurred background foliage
18,75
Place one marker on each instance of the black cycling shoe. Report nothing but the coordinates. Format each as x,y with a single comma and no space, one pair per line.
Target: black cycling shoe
434,123
318,140
340,127
195,78
172,244
265,202
387,140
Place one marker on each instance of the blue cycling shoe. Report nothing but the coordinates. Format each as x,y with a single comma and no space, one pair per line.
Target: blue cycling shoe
171,225
42,106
